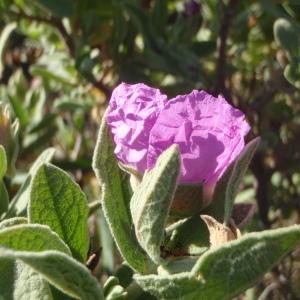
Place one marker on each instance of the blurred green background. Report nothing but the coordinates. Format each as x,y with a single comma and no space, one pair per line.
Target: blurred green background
60,60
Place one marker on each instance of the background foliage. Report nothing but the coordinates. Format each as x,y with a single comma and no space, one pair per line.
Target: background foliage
60,59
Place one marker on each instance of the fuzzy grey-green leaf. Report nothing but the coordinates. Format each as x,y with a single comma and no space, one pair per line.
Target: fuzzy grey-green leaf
115,201
18,205
62,271
30,285
57,201
239,169
31,237
227,187
170,287
20,282
226,271
236,266
13,221
151,202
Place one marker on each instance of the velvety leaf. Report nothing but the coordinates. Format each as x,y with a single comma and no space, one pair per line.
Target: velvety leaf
31,237
20,282
151,202
12,222
227,188
225,271
170,287
239,169
235,266
57,201
115,202
62,271
19,203
3,162
30,285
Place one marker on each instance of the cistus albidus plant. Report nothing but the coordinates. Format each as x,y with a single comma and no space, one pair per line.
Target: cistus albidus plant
59,62
169,171
172,149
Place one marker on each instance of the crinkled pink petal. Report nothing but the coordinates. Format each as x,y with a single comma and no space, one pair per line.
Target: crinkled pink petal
209,131
133,110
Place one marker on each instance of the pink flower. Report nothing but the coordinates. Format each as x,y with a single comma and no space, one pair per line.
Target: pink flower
209,131
134,109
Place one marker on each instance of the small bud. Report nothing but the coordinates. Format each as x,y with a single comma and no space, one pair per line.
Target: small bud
9,136
4,124
220,234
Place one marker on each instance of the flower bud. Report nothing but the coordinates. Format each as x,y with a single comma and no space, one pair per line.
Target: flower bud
9,137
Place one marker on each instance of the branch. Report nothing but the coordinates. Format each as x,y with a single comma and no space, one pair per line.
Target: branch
263,177
55,22
100,86
67,38
222,47
276,84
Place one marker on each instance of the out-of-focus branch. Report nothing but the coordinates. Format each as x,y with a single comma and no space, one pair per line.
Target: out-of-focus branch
226,21
268,290
55,22
266,93
67,38
263,178
99,85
